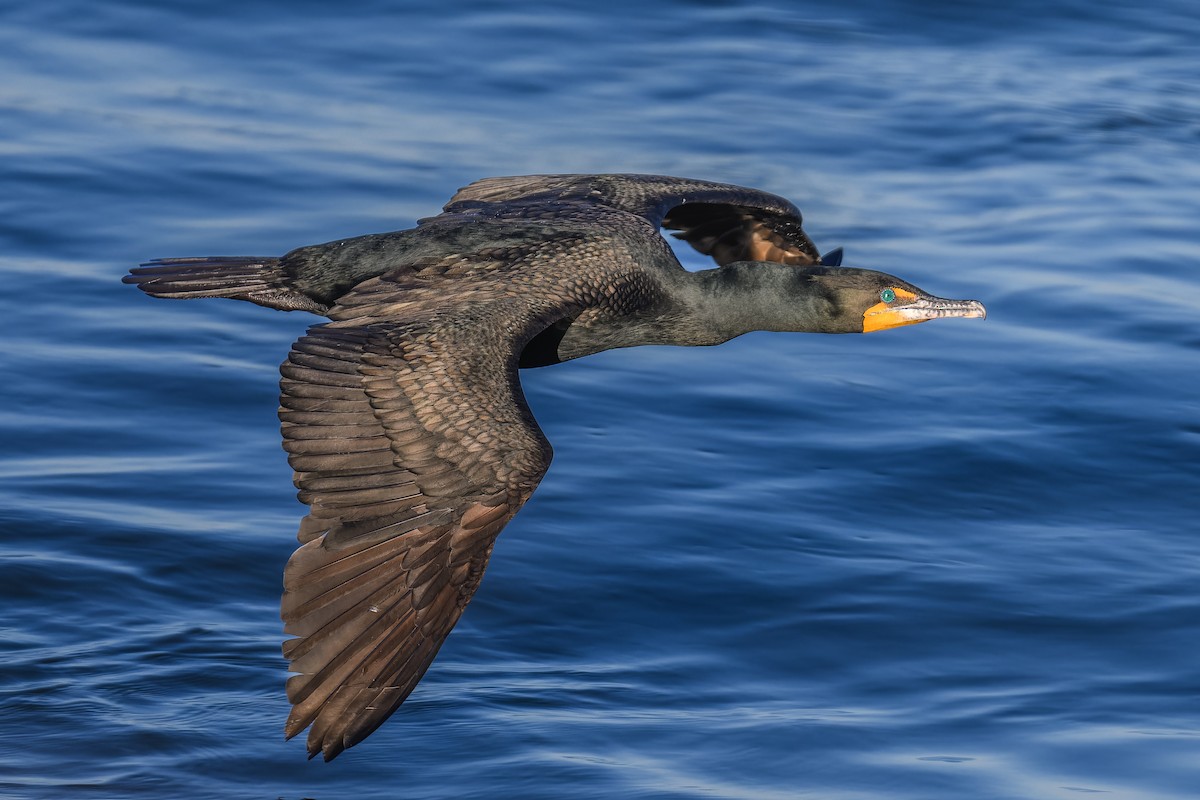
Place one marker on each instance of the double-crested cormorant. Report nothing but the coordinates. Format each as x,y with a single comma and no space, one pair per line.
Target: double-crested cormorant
404,419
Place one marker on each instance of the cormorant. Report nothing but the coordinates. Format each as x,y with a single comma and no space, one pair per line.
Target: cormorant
403,416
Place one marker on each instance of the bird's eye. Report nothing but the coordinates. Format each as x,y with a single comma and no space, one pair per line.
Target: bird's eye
887,295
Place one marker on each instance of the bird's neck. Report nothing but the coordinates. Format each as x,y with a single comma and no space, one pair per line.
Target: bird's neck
693,309
754,296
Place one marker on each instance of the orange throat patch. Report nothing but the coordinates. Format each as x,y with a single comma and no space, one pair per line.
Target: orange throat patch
882,316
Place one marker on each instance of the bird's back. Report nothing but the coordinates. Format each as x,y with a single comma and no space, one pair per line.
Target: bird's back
478,248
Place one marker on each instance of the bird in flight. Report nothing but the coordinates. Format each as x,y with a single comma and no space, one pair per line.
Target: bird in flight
403,416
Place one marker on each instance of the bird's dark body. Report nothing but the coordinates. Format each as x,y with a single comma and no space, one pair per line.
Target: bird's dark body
403,416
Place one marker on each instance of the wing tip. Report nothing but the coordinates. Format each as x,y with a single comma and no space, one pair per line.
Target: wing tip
328,748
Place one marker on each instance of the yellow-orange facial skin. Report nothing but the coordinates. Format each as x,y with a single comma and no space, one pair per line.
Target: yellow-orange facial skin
882,316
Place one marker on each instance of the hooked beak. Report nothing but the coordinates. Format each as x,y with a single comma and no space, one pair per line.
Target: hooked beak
882,316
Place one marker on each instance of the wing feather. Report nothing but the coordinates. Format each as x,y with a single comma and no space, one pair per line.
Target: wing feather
413,448
730,223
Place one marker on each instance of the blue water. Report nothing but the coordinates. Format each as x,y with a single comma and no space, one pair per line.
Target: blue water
956,560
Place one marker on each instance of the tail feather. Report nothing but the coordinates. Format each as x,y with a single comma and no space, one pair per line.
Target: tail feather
255,279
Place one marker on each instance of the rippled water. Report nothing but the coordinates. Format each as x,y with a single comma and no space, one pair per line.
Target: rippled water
953,560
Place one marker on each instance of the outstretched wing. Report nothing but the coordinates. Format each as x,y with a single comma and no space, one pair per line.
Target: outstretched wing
413,446
730,232
729,223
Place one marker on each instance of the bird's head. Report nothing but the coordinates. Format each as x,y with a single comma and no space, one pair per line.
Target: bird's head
862,300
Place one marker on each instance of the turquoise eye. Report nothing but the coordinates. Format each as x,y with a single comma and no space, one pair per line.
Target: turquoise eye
887,295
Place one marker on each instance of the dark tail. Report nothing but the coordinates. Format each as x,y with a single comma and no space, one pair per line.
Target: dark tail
258,280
